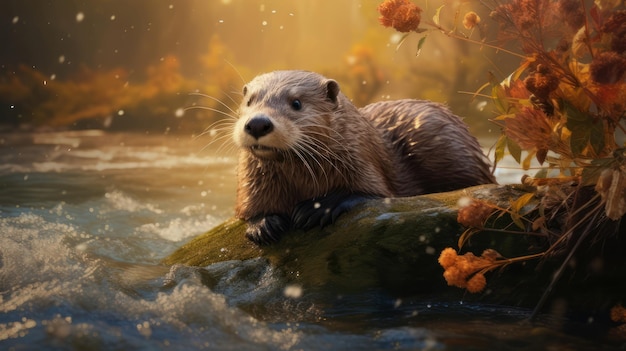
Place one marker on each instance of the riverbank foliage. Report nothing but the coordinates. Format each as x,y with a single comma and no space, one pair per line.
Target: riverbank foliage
117,98
562,108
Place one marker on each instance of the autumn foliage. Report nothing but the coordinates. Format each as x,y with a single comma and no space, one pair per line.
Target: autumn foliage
564,106
153,99
402,15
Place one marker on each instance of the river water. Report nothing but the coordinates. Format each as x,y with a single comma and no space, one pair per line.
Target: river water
85,218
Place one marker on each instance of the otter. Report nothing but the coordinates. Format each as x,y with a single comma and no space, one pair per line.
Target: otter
307,154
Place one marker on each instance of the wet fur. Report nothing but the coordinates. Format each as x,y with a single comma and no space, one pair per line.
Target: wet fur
321,160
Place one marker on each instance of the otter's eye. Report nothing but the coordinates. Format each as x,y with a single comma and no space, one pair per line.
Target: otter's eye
250,100
296,105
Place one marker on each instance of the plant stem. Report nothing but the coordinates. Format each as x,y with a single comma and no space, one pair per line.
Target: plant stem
473,41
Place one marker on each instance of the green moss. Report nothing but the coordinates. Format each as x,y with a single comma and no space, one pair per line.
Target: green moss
222,243
392,243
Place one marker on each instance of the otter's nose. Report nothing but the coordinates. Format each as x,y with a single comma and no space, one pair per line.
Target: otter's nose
259,126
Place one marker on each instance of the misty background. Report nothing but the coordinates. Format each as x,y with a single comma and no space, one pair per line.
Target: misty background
135,65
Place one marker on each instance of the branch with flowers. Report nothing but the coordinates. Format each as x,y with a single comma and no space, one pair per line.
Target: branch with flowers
563,106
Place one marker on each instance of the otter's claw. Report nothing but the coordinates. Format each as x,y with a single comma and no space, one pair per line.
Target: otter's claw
267,230
324,210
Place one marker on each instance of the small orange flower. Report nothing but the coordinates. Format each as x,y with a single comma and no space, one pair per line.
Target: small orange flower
467,271
542,82
476,283
615,22
618,313
616,26
471,20
573,13
608,67
474,214
447,258
402,15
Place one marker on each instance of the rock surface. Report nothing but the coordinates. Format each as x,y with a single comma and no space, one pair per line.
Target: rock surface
384,243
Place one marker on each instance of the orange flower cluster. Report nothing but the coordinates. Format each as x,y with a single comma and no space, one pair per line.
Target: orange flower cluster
402,15
572,12
541,82
471,20
530,129
522,13
467,271
616,27
475,214
618,314
608,67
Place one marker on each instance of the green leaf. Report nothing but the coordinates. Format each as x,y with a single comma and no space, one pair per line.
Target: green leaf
592,172
500,146
420,44
518,221
514,149
402,41
542,173
437,13
596,137
528,159
585,130
522,201
498,94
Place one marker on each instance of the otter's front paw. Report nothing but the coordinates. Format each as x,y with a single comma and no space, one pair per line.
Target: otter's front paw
267,230
324,210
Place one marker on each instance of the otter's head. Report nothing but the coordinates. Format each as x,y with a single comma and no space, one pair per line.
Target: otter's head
283,112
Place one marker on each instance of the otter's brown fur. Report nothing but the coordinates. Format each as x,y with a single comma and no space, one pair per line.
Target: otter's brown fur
301,139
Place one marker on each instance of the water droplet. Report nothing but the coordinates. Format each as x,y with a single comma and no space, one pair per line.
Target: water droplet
61,58
120,112
293,291
481,105
179,112
112,17
80,17
264,23
464,201
15,19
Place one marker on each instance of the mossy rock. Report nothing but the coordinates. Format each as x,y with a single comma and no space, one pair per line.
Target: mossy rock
382,243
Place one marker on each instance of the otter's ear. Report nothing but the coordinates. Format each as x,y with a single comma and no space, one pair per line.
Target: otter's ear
332,90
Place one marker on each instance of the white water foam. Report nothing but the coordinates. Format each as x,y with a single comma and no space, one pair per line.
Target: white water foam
54,293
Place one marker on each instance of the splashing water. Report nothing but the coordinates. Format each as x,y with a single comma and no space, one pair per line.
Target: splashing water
86,217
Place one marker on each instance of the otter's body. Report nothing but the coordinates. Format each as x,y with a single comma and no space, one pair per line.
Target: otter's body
307,154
